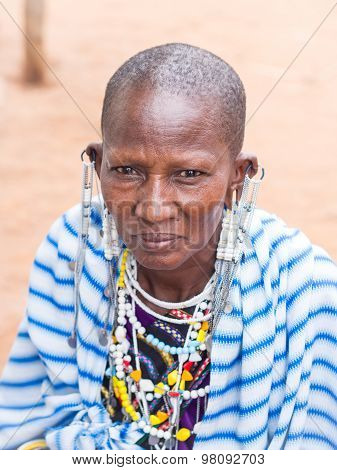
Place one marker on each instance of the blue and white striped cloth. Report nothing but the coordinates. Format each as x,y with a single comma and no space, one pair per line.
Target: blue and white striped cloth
273,382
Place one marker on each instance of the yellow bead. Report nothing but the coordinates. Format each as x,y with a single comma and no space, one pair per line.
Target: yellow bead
183,434
201,336
182,385
186,375
162,416
172,377
123,389
154,420
120,383
205,325
159,388
129,409
135,417
125,403
136,374
124,396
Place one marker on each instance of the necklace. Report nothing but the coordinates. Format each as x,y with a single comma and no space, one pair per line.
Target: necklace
134,392
170,305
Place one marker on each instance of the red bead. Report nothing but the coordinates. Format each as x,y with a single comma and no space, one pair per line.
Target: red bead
174,394
188,365
164,426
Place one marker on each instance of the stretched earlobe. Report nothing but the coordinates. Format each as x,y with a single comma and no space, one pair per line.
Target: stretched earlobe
95,152
242,162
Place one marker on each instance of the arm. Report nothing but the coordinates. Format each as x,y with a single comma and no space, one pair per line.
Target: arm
27,384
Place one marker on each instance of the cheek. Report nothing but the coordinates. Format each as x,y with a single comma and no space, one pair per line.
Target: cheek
205,210
202,223
118,201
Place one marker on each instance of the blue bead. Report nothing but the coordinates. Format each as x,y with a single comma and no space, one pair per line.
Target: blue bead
179,350
185,350
173,350
167,348
155,341
149,338
160,345
191,349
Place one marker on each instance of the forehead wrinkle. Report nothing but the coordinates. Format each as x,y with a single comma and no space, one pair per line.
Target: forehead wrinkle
143,126
193,135
152,112
146,158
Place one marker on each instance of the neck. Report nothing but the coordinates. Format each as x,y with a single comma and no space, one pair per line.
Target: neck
184,282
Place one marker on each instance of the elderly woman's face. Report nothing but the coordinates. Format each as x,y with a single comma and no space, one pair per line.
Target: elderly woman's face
164,175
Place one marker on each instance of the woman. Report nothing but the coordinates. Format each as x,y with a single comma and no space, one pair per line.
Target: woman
165,312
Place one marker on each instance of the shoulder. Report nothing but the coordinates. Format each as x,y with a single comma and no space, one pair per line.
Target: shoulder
62,235
308,266
274,240
280,233
52,281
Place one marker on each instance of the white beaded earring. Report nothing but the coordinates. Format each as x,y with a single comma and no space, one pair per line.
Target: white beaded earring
225,249
107,246
234,234
88,170
110,236
111,254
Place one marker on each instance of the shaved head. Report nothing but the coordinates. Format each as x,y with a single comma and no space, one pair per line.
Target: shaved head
189,71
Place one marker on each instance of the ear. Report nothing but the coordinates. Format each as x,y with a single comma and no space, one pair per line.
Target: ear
97,148
240,165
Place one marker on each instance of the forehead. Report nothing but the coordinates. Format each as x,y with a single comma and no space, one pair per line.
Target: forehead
154,118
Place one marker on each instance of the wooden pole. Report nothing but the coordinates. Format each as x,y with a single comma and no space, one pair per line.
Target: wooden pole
34,67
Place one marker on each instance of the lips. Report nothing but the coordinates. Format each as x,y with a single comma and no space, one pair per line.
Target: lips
157,241
157,237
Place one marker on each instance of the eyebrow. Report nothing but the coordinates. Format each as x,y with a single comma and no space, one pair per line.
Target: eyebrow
198,156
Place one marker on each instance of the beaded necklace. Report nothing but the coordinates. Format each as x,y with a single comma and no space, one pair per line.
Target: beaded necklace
135,392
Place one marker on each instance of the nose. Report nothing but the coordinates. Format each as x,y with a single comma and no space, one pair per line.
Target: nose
155,202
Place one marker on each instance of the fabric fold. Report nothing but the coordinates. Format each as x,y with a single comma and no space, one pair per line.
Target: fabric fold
91,429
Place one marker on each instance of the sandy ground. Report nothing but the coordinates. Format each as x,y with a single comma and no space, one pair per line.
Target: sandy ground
292,126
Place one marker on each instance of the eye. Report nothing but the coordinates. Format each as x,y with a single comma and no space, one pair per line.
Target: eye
125,170
190,173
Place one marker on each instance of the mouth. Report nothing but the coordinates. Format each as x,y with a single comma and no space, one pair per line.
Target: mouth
157,241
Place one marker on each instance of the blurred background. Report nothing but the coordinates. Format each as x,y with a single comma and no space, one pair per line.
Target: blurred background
284,51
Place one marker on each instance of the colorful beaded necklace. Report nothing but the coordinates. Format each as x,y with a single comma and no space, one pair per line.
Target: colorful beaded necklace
127,384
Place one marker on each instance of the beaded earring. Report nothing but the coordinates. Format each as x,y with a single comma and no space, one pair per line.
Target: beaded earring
88,170
234,233
110,236
112,252
225,249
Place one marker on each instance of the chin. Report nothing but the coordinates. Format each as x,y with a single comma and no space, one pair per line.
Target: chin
160,261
